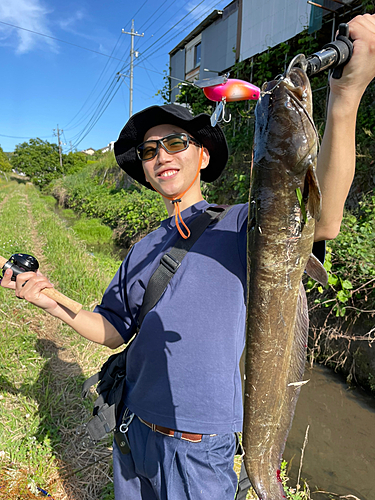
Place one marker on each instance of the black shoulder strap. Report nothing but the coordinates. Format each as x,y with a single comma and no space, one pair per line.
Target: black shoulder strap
171,261
243,484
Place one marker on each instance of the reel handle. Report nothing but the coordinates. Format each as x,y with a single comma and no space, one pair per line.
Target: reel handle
65,301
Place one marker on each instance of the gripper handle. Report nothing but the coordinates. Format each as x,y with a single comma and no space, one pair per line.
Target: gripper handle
65,301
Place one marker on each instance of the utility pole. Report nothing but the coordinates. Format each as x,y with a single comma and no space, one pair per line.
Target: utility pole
133,34
57,132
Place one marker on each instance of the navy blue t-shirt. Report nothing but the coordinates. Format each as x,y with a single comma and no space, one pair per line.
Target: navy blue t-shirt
183,367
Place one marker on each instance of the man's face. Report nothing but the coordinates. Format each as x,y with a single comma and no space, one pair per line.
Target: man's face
172,174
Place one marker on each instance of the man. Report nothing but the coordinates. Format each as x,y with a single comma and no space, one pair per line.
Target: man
183,381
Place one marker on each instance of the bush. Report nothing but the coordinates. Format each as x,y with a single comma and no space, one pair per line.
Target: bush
132,212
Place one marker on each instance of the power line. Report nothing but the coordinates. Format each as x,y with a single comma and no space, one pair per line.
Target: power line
99,98
174,36
63,41
96,84
112,90
157,10
28,137
98,118
140,8
178,22
74,45
103,92
97,111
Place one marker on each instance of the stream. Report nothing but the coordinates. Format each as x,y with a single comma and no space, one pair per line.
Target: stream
340,454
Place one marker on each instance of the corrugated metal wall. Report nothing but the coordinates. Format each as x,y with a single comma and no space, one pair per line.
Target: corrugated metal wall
177,63
219,45
267,23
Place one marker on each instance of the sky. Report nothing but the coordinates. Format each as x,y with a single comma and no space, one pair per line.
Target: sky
47,83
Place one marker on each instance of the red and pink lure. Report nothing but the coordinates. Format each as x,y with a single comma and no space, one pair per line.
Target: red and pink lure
232,90
223,90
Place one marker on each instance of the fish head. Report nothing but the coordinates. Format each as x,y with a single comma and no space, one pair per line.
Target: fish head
286,139
286,129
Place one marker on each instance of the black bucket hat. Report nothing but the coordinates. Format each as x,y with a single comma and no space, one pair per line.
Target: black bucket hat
199,127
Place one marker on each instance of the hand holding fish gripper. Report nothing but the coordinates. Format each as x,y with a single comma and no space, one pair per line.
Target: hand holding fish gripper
22,263
334,55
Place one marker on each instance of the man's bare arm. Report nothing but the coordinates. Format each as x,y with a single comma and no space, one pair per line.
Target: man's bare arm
90,325
336,160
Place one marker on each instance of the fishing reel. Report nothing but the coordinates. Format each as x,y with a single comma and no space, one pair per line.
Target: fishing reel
21,263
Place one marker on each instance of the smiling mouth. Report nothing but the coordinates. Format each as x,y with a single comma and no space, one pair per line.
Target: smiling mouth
168,173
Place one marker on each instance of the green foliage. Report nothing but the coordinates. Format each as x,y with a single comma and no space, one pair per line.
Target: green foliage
350,263
293,493
233,185
74,162
50,201
5,165
132,211
39,160
368,6
92,231
166,90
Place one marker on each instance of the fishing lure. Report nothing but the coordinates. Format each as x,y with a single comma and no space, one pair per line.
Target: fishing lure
223,89
232,90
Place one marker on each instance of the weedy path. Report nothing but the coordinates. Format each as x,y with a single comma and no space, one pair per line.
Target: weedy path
43,364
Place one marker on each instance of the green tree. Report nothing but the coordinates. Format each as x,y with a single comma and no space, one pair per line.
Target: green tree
166,91
5,165
74,162
39,160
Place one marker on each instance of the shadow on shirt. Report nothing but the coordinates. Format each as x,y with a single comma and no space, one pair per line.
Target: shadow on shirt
148,376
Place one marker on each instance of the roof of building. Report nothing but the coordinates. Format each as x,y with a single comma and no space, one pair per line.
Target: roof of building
206,22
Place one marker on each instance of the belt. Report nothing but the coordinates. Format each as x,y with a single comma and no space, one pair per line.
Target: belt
187,436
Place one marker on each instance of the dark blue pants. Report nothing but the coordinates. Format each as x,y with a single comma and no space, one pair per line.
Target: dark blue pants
162,467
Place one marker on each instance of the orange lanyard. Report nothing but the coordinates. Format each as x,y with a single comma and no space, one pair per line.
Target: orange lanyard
177,199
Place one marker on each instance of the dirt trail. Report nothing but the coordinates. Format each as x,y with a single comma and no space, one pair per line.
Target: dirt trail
64,369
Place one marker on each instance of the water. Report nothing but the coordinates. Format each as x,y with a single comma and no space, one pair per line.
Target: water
340,454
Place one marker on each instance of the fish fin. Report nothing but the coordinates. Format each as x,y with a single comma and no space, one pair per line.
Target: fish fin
313,194
315,269
301,328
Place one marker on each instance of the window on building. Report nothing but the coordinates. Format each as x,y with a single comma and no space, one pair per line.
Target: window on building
197,55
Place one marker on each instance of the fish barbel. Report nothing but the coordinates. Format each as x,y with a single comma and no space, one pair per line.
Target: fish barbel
280,239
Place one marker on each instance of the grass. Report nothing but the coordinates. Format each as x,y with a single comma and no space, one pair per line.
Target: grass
43,363
92,231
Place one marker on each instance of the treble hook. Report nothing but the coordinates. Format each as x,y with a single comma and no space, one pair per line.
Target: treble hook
223,116
218,115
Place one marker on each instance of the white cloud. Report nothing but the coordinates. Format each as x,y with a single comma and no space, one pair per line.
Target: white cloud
68,24
29,14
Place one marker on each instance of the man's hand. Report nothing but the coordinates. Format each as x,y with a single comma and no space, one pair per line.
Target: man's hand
28,286
360,70
336,159
90,325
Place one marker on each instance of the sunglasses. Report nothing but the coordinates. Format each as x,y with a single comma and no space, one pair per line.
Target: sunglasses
173,143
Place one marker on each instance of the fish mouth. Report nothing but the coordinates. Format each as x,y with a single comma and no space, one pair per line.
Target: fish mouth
293,89
294,82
